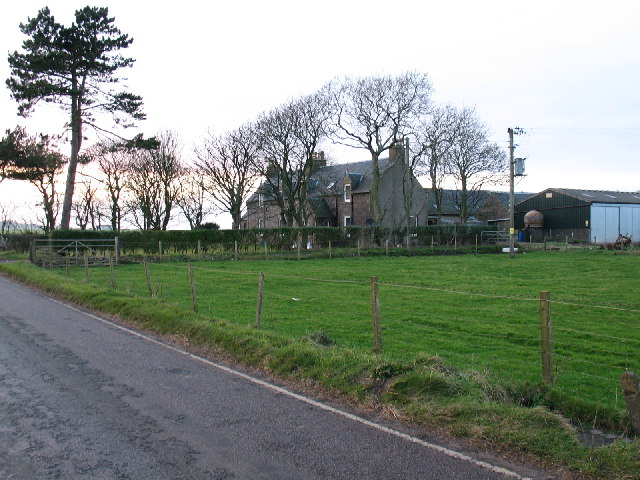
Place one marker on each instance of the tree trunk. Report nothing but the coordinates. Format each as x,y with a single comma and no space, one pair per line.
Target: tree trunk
236,216
437,197
464,208
76,142
375,187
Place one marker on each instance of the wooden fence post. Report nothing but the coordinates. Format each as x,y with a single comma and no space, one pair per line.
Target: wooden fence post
386,247
259,304
86,267
199,249
147,275
235,250
192,284
476,243
431,243
545,327
329,248
358,247
112,273
160,248
299,242
66,265
566,243
375,315
116,248
266,255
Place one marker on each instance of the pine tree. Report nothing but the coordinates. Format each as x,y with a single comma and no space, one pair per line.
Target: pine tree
75,67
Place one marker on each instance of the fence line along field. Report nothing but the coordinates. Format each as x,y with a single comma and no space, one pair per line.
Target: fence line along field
478,312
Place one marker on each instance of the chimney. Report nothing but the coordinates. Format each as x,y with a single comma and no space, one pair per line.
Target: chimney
396,152
319,160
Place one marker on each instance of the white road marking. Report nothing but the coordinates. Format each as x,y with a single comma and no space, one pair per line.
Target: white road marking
307,400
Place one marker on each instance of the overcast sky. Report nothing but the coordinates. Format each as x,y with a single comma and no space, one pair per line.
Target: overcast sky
568,72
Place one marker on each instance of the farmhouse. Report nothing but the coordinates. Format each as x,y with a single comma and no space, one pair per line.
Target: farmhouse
585,215
340,195
484,206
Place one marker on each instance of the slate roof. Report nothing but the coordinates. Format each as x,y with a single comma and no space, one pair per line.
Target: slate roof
330,178
320,207
598,196
327,181
477,198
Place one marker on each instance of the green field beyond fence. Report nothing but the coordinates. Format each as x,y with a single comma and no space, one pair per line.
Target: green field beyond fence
477,312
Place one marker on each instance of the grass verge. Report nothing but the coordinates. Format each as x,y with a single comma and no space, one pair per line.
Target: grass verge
462,403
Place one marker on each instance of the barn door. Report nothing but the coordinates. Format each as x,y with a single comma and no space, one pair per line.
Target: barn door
611,223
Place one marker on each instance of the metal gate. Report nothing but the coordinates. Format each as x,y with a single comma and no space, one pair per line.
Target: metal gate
494,238
54,252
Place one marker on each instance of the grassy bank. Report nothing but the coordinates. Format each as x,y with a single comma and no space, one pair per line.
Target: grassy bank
478,312
440,364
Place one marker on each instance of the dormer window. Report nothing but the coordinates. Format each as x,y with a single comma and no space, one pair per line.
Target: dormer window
347,192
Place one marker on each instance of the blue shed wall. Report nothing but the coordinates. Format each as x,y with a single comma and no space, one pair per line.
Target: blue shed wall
608,220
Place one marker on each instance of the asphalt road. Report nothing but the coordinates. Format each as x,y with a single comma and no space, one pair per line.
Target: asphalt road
83,398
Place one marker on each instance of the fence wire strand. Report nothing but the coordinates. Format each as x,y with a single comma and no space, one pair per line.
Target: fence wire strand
478,334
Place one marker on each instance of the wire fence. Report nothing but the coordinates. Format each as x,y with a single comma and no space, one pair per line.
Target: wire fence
57,252
589,346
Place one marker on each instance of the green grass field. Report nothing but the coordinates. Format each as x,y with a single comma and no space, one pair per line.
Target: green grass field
477,312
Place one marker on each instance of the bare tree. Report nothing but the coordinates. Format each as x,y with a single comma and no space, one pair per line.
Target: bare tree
289,137
114,158
153,182
113,163
278,163
436,136
475,161
193,199
26,226
373,113
88,208
7,214
228,164
311,116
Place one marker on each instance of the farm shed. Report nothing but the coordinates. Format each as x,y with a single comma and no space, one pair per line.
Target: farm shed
594,216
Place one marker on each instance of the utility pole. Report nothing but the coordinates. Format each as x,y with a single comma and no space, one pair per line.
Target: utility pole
408,189
512,230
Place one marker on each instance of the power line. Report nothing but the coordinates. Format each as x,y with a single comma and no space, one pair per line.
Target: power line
584,130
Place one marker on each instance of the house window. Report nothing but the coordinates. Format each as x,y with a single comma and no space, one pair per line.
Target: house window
347,221
260,199
347,193
260,223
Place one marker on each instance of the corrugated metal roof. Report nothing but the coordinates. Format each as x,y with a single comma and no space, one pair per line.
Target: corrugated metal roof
598,196
475,200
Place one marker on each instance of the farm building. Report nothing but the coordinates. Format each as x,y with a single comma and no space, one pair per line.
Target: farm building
483,206
340,195
583,215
